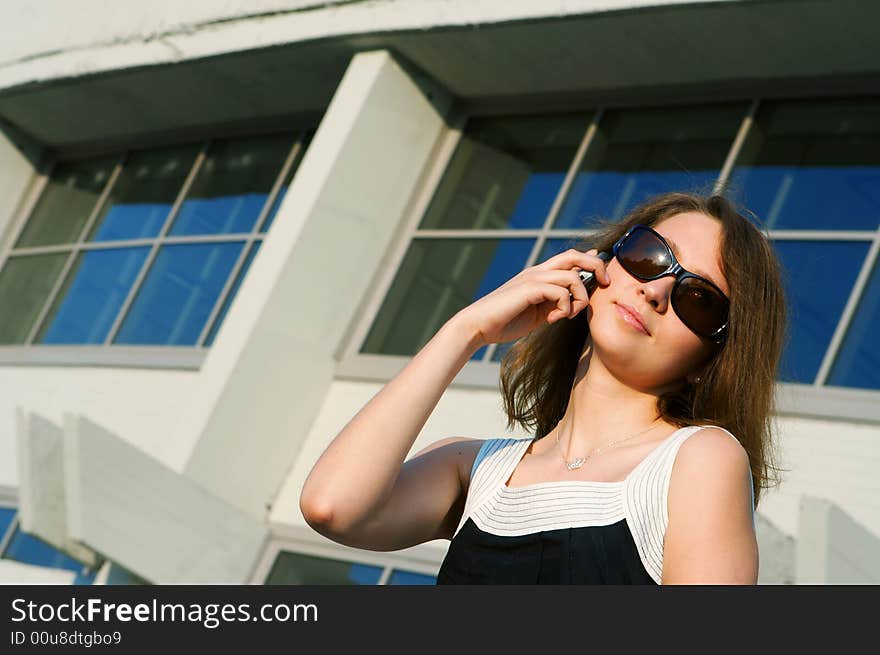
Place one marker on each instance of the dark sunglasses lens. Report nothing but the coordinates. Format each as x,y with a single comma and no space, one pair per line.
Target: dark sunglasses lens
643,254
699,306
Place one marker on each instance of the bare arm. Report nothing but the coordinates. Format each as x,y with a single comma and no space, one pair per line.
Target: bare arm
355,477
360,491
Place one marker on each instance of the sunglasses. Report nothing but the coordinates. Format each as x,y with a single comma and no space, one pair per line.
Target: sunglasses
700,304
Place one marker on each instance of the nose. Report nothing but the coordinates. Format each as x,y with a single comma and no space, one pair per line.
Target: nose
658,292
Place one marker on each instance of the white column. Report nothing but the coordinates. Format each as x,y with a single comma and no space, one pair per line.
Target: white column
16,175
273,360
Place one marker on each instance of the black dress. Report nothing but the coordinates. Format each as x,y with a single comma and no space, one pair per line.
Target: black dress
561,532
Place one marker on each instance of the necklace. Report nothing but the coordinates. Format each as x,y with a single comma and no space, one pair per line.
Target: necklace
578,462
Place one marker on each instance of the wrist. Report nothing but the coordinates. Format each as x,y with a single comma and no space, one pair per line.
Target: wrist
466,332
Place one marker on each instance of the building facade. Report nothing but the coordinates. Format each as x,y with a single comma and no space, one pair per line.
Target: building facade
225,226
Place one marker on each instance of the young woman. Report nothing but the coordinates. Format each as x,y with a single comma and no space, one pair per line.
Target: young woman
650,399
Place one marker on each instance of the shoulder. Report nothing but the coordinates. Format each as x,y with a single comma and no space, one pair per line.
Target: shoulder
711,478
712,447
710,459
710,533
462,451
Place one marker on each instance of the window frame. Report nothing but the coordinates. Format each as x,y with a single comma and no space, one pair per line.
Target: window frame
134,355
812,400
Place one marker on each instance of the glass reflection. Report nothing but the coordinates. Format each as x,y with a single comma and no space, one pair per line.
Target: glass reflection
245,267
232,186
25,283
437,278
66,203
858,361
177,296
143,194
813,165
637,153
818,277
96,286
505,172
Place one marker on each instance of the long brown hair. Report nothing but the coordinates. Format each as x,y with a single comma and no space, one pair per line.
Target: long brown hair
737,385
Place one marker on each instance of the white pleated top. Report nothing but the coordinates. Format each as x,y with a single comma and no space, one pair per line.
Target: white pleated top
640,498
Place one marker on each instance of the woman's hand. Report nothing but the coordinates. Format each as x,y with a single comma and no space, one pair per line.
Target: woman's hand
547,292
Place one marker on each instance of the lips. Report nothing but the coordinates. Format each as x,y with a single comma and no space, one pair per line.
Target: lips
633,315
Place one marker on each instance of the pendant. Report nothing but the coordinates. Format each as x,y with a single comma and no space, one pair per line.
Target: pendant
576,464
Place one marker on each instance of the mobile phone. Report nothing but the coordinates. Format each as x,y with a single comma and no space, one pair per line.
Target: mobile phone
589,279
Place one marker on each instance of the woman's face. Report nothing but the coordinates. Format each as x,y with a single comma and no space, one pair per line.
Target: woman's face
671,352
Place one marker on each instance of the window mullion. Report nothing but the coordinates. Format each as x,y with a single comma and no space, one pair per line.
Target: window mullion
249,244
572,173
570,176
71,257
279,181
386,575
6,538
221,297
742,135
178,202
852,302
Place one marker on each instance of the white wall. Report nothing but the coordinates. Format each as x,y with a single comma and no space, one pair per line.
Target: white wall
142,406
835,460
25,574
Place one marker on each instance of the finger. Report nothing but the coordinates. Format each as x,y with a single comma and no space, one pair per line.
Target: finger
556,294
578,296
567,259
562,297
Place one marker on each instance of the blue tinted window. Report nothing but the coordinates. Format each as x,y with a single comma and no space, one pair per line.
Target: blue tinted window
92,295
146,189
505,172
178,294
508,260
410,578
813,165
818,276
858,360
437,278
28,549
232,186
551,247
245,267
6,516
637,153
